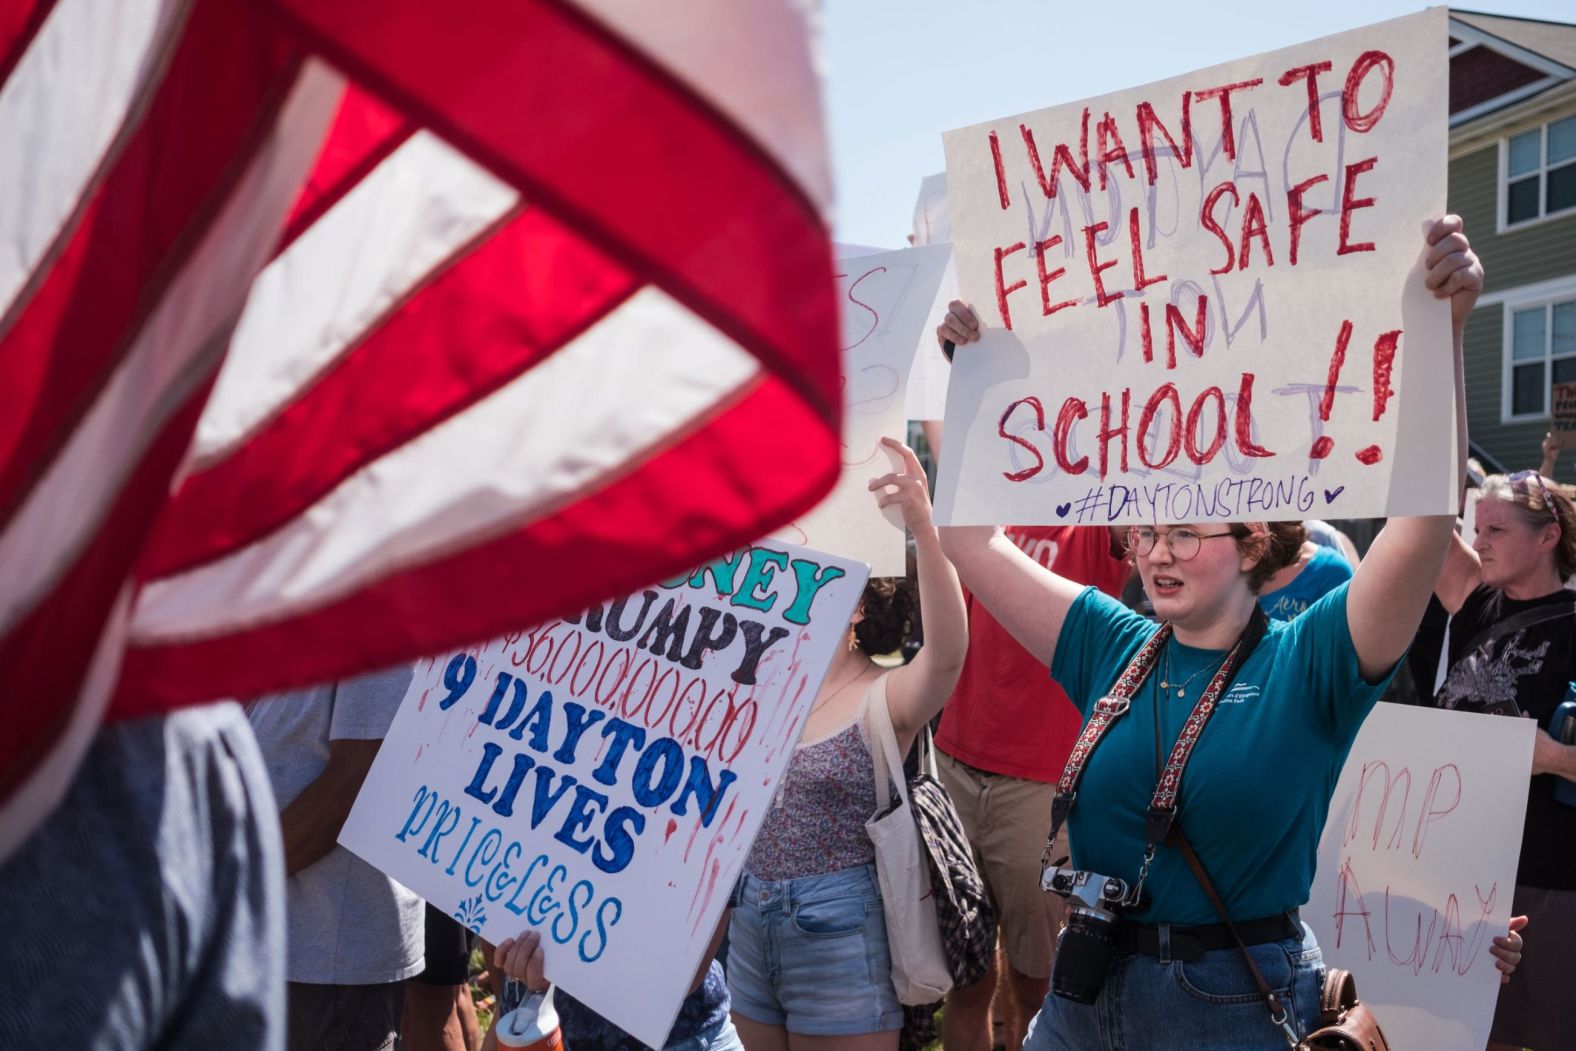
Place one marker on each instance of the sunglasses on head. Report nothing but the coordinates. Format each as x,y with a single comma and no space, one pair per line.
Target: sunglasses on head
1520,477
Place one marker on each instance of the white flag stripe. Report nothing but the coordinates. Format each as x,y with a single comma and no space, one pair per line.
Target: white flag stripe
761,79
61,111
331,285
39,794
506,461
170,356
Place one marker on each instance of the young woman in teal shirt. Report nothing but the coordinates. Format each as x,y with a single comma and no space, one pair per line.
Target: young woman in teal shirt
1260,779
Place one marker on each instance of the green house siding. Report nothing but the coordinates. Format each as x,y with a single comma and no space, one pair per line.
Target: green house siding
1528,256
1520,257
1516,445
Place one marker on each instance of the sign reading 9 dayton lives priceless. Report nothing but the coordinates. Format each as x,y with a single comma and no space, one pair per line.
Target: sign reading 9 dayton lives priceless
600,778
1203,298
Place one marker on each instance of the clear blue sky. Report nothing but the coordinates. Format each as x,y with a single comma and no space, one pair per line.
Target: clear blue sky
901,72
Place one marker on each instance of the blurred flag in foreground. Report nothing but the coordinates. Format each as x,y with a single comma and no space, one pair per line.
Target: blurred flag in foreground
335,334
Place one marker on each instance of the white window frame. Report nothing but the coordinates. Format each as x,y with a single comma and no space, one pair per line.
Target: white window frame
1544,294
1503,195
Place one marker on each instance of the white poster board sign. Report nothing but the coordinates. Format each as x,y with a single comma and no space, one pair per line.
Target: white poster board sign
885,299
1204,297
600,779
932,224
927,382
1417,867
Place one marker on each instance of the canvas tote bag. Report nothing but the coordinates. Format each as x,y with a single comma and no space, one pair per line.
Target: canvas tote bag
920,970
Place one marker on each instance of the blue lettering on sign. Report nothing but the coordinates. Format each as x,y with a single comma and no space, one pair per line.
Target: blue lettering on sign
581,916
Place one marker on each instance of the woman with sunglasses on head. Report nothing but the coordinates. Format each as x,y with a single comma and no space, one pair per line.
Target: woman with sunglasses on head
1512,651
1289,699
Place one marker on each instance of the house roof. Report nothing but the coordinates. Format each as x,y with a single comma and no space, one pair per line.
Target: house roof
1555,41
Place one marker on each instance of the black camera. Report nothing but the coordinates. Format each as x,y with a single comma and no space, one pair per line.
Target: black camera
1083,956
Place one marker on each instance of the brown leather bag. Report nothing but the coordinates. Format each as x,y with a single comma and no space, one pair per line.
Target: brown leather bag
1348,1025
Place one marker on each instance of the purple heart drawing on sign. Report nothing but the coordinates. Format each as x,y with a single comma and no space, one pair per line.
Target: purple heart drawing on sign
1331,494
1062,509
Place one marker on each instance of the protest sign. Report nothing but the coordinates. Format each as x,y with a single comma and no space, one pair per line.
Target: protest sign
1417,867
885,297
1564,402
927,382
600,778
932,224
1204,297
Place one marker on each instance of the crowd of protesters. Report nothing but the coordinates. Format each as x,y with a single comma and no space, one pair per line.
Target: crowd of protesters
1025,641
1320,632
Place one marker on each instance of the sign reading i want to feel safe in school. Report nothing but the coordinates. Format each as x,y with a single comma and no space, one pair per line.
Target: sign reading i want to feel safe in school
599,779
1203,298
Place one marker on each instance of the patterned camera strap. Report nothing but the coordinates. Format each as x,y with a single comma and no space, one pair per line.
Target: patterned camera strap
1110,708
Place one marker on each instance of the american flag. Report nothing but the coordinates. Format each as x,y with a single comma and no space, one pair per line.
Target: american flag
337,334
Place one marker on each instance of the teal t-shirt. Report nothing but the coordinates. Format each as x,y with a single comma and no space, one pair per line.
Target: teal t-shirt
1258,786
1326,570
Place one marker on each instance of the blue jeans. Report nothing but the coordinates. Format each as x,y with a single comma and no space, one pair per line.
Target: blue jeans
1153,1003
810,954
720,1037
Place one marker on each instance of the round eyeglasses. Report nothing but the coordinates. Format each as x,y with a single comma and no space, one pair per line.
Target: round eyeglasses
1182,542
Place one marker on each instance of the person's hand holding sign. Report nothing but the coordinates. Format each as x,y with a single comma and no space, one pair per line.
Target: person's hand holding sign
1453,270
1506,949
960,327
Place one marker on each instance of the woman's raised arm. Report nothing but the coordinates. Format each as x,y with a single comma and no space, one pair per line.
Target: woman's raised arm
1026,598
1390,590
916,691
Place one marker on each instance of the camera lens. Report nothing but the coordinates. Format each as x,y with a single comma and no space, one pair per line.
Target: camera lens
1083,958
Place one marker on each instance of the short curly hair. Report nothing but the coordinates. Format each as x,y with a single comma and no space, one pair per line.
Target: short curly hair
888,606
1279,546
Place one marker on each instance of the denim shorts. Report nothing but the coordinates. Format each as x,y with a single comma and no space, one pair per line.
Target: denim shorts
1154,1004
810,954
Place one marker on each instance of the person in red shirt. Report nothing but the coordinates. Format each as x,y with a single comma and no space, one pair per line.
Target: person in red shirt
1004,738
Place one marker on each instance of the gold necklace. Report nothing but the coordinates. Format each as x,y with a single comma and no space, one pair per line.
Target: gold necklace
824,701
1181,687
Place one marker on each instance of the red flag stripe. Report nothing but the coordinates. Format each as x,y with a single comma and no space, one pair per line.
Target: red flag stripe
75,94
635,160
364,134
354,266
179,344
529,289
46,656
143,223
20,21
702,492
54,758
762,80
506,461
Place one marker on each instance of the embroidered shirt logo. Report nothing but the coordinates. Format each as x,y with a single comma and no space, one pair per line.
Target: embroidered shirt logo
1242,691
